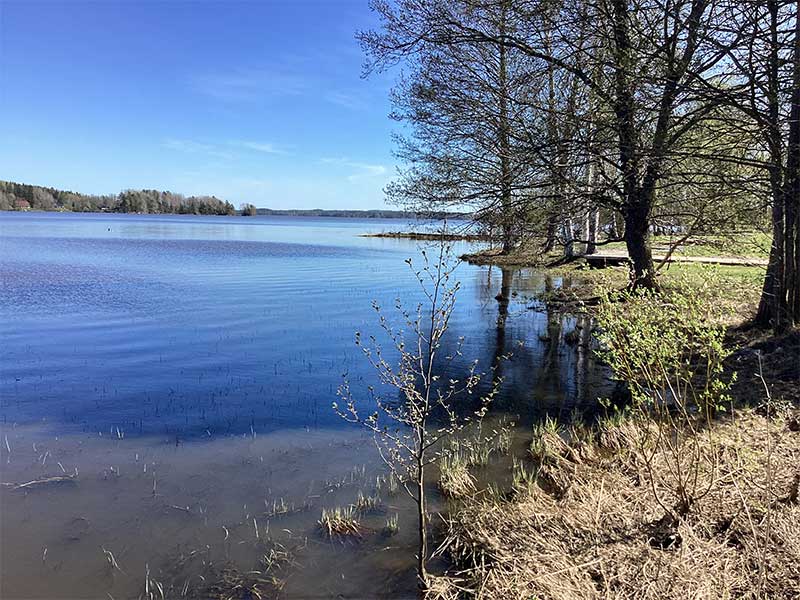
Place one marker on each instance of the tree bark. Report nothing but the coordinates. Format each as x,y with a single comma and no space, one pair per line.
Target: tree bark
772,306
638,244
422,514
594,226
792,187
504,134
636,205
550,236
569,237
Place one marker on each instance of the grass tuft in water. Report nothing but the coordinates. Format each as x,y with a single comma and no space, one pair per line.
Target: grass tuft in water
340,522
455,480
365,504
392,525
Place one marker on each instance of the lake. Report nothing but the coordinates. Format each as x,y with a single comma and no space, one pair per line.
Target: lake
184,367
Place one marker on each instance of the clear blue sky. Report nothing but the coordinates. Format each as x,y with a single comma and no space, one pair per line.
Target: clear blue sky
258,101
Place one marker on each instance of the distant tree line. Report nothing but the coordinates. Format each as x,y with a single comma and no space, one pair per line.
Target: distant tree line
575,123
20,196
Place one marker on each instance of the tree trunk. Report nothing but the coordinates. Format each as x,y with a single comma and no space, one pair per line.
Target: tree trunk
550,236
638,245
593,214
772,306
422,514
585,230
594,226
504,132
569,238
792,187
615,232
636,203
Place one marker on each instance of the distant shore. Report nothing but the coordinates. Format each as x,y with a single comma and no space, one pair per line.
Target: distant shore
264,212
25,197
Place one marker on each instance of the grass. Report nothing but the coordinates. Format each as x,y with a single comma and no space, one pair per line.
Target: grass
471,451
392,525
455,480
340,522
739,245
591,513
601,534
194,575
733,289
389,481
264,581
737,288
546,435
522,478
503,438
366,504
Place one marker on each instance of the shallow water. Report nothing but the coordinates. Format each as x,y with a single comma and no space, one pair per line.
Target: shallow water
185,366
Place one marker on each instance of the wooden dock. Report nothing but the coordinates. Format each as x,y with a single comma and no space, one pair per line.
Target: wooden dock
605,260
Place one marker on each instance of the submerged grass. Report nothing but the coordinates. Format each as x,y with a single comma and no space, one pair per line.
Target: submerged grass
366,504
195,576
455,480
340,522
392,525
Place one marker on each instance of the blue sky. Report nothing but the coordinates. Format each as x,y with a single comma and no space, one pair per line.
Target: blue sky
257,101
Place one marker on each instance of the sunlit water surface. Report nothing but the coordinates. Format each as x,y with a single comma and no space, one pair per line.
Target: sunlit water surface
184,368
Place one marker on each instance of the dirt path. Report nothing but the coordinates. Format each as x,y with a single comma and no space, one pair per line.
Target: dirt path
605,259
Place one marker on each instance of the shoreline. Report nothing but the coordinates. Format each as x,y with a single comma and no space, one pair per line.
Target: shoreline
432,237
367,214
582,515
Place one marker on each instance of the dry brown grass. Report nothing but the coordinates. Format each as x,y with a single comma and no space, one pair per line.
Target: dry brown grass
592,528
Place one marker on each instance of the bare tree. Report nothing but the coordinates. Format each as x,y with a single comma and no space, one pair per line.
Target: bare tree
463,146
422,409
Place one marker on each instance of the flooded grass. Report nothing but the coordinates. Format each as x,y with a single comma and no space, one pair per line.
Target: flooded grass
455,480
340,522
198,519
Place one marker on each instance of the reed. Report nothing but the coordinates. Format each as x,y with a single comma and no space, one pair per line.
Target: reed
340,522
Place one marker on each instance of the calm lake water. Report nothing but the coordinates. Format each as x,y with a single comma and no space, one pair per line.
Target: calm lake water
185,366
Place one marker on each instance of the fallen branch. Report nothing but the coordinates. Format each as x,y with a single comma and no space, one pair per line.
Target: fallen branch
44,481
